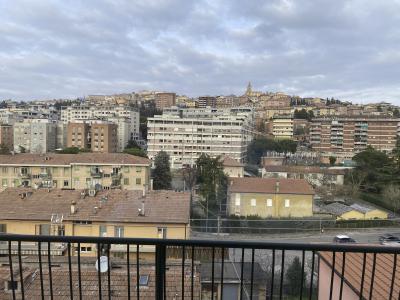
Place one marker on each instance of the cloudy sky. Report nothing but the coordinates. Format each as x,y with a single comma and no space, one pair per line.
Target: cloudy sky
342,48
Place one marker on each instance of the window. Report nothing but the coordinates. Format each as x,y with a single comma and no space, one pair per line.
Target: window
12,285
162,232
66,183
126,169
4,170
287,202
269,202
138,180
138,169
237,200
86,249
103,230
3,228
126,181
253,202
4,182
143,280
82,222
119,231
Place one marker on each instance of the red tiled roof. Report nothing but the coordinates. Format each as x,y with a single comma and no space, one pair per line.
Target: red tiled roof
269,186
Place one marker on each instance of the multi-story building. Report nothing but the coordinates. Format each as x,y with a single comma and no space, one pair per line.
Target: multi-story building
123,131
164,100
83,112
282,127
98,136
35,136
187,133
113,213
75,171
7,136
354,134
207,101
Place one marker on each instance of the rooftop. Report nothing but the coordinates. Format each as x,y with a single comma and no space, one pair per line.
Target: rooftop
230,162
305,169
69,159
112,205
269,186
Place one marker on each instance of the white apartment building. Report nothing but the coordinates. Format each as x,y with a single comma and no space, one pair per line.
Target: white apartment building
187,133
123,131
83,112
282,127
35,136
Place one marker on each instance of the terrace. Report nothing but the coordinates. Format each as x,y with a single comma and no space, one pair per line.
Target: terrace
196,269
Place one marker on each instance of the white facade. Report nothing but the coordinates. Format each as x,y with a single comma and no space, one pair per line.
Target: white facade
123,131
74,113
35,136
187,133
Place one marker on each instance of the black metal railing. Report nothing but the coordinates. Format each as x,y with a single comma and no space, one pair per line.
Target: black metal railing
193,269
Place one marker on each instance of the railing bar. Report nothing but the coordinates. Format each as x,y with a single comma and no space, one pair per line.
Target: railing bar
98,271
11,267
332,275
393,275
137,271
282,274
212,272
21,272
71,293
342,274
372,276
241,274
50,274
363,275
128,271
192,275
109,271
183,272
252,273
272,275
79,271
312,275
302,274
222,272
40,269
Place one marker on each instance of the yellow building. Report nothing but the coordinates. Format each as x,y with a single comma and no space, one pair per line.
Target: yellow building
269,197
113,213
354,212
75,171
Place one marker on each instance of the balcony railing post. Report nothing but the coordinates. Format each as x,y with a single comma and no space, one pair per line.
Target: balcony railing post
160,271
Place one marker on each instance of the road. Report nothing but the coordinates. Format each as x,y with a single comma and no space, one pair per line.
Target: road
370,236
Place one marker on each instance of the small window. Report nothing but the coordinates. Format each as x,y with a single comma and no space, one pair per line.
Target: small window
4,182
126,181
86,249
253,202
269,202
237,200
287,202
4,170
162,232
138,180
3,228
138,169
102,230
12,285
143,280
119,231
66,183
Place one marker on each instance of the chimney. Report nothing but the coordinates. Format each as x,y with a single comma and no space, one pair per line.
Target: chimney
95,210
73,207
144,191
277,186
141,210
151,184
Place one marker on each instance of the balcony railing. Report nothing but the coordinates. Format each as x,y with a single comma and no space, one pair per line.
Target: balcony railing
194,269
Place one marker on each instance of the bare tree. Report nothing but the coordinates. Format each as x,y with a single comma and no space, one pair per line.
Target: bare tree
391,194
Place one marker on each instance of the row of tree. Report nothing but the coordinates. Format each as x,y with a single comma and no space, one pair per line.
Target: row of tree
259,146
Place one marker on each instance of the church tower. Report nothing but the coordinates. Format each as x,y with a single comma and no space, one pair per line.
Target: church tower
249,89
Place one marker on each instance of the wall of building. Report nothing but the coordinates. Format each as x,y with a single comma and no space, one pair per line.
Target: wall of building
234,171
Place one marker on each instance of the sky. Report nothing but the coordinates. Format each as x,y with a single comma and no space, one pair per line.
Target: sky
347,49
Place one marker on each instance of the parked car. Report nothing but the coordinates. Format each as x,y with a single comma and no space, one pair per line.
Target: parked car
341,238
388,238
391,243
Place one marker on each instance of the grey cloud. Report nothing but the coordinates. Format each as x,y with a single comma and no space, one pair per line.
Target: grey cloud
347,49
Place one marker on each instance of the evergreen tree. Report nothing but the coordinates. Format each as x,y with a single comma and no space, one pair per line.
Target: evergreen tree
293,277
161,173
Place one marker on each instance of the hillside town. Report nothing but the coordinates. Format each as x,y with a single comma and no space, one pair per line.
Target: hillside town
166,166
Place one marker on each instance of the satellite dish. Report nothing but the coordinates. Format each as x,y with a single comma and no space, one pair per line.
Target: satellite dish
103,264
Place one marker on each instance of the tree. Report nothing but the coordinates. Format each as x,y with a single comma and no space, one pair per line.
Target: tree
332,160
162,173
22,149
136,152
294,275
69,150
391,194
396,113
259,146
132,144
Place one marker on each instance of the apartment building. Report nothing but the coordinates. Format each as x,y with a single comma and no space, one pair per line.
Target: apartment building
185,134
164,100
207,101
84,112
111,213
75,171
98,136
7,136
35,136
282,127
354,134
